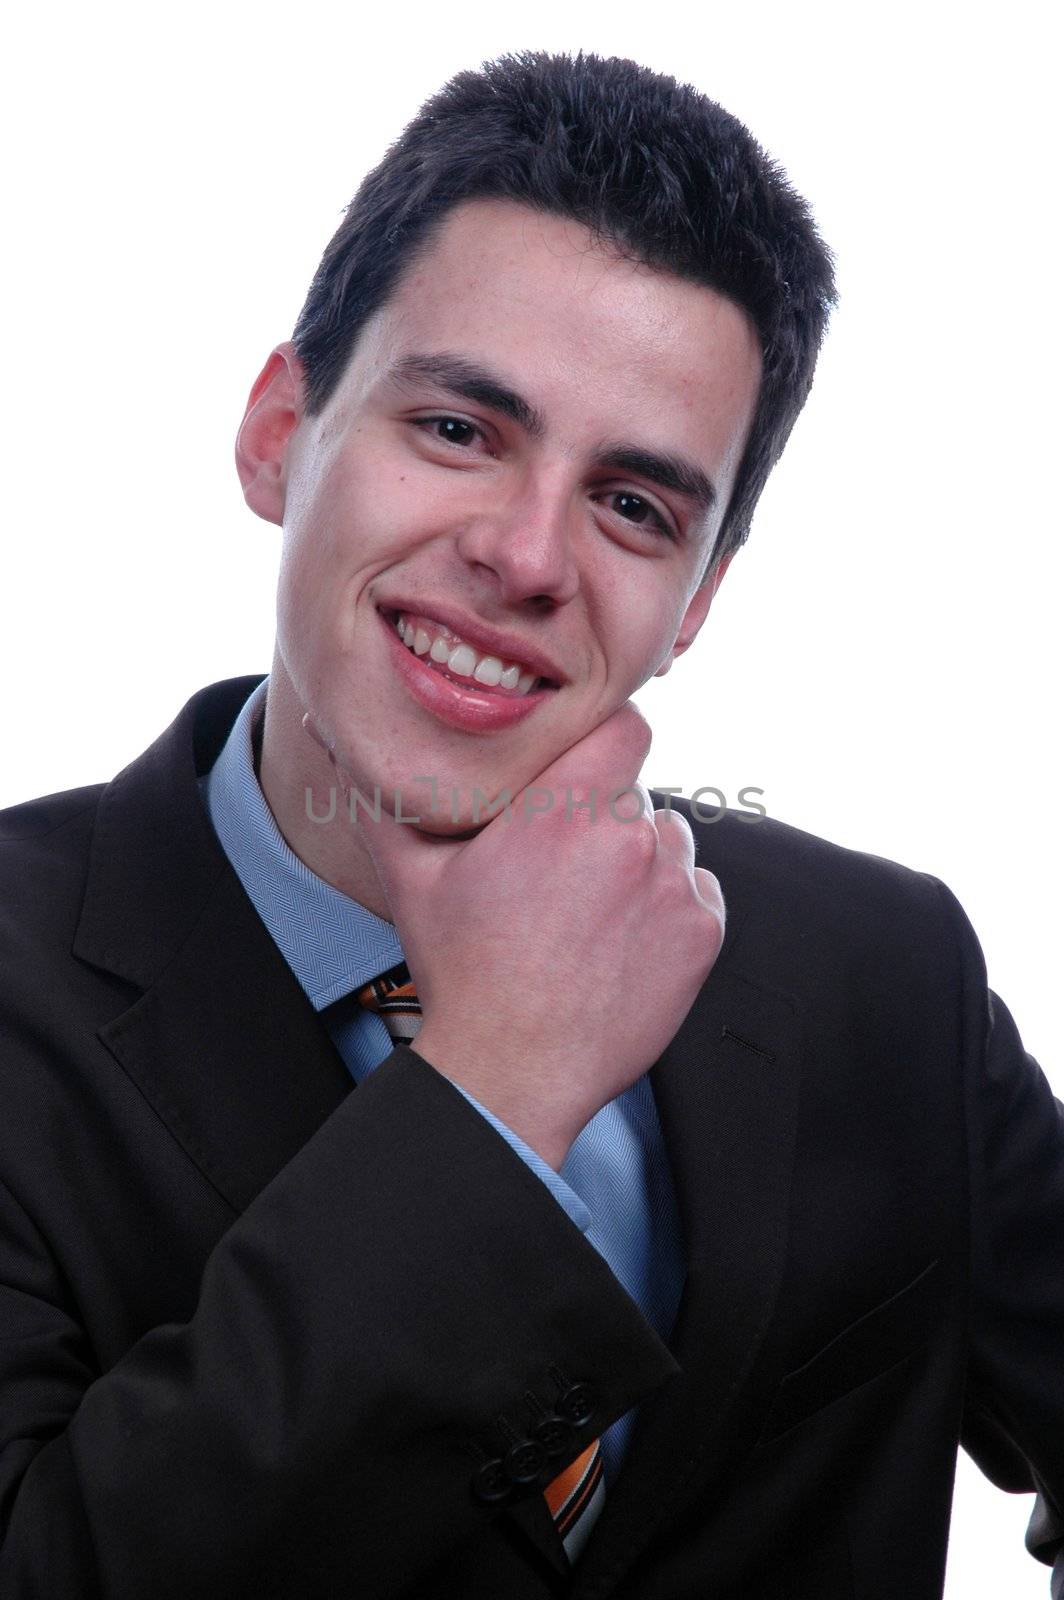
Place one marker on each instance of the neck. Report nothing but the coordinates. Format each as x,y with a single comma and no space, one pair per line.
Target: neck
304,792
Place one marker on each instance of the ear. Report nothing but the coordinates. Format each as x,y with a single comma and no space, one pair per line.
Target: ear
274,410
696,613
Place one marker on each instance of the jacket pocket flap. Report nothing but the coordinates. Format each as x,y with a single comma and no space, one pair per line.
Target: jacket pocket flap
871,1345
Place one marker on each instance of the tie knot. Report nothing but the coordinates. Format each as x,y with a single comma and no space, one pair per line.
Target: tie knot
393,997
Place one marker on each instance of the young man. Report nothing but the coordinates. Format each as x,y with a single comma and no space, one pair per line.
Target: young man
662,1261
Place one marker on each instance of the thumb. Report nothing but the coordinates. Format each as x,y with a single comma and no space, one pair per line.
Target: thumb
708,886
604,761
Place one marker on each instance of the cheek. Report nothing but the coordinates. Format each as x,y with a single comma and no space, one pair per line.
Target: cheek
322,541
363,513
645,631
302,587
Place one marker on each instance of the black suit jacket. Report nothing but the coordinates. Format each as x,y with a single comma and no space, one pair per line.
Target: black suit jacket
264,1335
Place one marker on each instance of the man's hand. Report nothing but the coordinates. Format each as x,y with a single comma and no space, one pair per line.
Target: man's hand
554,956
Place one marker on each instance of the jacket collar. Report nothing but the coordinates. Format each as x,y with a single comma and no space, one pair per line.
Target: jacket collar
222,1042
155,857
332,943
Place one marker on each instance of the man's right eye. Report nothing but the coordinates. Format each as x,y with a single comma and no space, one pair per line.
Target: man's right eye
451,430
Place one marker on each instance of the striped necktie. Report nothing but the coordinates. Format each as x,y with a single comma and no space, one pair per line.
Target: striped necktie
576,1496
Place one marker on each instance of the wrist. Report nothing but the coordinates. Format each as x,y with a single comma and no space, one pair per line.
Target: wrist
541,1125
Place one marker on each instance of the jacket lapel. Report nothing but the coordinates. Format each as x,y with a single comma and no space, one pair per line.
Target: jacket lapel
726,1091
223,1042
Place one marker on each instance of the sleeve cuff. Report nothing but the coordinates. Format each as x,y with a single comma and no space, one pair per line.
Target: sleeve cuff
567,1198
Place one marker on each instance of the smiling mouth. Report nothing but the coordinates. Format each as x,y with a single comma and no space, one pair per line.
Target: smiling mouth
453,658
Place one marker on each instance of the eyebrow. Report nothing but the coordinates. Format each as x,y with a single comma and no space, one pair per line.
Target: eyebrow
667,471
472,382
467,379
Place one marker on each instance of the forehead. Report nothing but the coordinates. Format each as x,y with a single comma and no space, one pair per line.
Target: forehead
580,326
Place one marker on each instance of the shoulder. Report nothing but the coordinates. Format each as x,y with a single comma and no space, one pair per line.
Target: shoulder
145,827
767,855
802,906
35,820
44,840
44,857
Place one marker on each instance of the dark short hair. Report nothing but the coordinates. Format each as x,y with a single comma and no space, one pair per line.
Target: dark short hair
651,167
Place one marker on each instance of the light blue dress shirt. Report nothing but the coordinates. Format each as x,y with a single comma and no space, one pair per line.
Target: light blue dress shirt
615,1183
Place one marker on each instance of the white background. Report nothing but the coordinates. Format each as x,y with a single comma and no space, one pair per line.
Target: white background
882,659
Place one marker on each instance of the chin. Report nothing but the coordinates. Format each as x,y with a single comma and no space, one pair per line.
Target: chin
446,828
454,817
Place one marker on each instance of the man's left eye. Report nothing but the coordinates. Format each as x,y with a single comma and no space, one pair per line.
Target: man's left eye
633,508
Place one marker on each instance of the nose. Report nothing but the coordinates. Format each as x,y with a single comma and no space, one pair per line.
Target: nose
525,541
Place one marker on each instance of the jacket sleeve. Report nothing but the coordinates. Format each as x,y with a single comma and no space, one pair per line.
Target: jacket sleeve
1013,1423
361,1358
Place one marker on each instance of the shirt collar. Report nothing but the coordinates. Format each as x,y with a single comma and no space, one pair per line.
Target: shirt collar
331,942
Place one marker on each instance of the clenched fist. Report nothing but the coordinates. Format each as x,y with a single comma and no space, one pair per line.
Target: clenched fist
555,954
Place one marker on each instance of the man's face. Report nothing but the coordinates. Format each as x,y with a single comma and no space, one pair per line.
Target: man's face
494,469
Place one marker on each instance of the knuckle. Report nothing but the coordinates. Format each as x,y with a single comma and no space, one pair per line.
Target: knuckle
640,841
670,818
635,733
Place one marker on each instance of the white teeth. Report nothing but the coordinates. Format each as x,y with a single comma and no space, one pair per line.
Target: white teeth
488,671
463,661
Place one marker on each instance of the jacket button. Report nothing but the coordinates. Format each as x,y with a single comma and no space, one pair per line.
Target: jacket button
525,1462
555,1435
491,1483
576,1404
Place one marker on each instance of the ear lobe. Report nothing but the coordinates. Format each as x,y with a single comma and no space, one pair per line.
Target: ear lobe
696,613
273,411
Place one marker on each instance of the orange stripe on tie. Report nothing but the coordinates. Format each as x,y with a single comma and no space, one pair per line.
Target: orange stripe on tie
562,1488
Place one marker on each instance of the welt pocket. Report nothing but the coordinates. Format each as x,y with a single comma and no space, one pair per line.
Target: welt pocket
870,1346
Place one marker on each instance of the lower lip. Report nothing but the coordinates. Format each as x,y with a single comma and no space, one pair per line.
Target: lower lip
471,710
